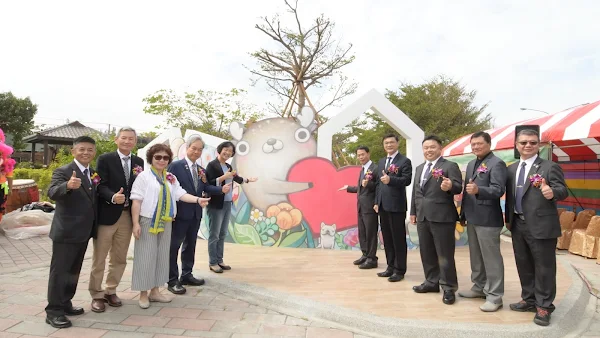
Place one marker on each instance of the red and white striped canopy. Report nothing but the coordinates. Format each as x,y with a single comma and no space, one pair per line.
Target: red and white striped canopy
575,132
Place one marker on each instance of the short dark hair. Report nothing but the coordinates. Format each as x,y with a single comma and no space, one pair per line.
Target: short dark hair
226,144
433,138
365,148
84,139
158,148
386,136
529,132
486,137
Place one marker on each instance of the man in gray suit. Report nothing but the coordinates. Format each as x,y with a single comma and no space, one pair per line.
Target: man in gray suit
485,183
533,187
433,210
368,223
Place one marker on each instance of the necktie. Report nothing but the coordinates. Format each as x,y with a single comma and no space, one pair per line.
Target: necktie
86,174
387,164
126,169
520,189
195,175
427,172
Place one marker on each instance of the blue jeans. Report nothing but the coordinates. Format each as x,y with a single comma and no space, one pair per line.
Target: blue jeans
217,224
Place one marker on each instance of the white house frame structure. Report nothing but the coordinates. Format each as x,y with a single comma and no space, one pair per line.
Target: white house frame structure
391,114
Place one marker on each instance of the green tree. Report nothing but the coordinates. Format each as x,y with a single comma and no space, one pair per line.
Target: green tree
205,111
303,57
144,138
440,106
17,117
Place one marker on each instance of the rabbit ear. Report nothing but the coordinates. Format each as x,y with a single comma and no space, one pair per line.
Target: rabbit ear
305,116
236,130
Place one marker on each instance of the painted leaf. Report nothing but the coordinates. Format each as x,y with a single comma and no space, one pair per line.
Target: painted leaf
269,242
294,239
246,234
243,215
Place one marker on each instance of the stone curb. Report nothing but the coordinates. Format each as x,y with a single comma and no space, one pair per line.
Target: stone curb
564,320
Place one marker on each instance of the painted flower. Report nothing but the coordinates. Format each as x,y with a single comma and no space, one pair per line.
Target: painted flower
437,173
256,215
482,169
137,169
536,180
287,216
351,237
393,169
95,178
369,175
171,178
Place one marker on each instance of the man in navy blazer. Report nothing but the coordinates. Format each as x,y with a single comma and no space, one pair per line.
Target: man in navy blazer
192,178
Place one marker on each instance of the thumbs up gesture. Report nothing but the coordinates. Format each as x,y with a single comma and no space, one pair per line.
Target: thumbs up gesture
74,182
385,179
472,188
546,190
118,197
446,184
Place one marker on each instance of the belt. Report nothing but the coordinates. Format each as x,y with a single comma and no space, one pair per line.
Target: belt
520,216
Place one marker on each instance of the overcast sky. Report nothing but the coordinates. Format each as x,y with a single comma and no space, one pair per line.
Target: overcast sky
95,61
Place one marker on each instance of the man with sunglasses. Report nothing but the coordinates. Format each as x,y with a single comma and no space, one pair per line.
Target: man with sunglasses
533,187
485,183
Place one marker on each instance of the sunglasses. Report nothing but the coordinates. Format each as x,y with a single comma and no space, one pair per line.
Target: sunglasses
523,143
162,157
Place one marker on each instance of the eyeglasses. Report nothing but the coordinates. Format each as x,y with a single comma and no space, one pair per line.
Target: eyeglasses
524,143
162,157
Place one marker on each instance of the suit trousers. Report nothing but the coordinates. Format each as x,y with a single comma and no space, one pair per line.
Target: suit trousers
184,232
65,267
114,239
487,264
536,265
368,225
437,246
393,229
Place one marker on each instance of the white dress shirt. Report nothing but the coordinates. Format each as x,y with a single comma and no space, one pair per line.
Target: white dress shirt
366,166
146,188
82,168
190,166
392,160
121,155
425,168
529,162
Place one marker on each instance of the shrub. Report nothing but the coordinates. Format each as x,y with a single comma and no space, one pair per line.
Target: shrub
42,178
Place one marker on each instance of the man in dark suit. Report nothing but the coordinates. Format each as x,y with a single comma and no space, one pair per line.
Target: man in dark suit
192,178
220,173
434,212
394,174
533,187
73,188
485,182
368,222
114,218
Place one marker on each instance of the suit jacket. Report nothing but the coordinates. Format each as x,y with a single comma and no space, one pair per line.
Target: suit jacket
75,214
366,195
188,211
431,202
541,214
392,196
214,171
110,170
484,208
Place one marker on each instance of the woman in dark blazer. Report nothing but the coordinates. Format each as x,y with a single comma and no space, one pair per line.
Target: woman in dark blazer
220,173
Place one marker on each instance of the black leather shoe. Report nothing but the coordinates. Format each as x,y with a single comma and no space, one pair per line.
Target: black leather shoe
59,322
386,273
360,260
191,280
176,288
542,317
396,277
449,297
368,264
523,306
74,311
224,267
425,288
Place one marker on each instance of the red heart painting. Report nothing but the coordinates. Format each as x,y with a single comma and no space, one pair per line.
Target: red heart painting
323,202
